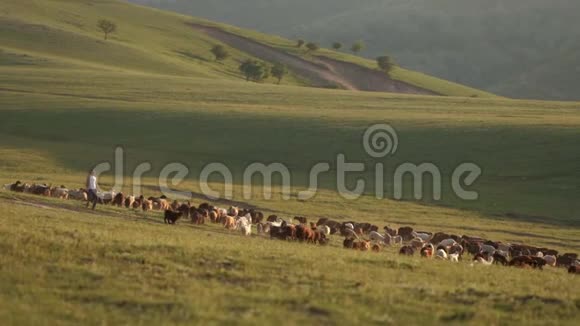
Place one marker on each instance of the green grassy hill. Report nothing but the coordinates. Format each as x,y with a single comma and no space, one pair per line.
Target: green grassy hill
68,98
515,48
63,34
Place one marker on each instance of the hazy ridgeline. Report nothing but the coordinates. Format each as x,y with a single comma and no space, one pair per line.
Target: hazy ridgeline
516,48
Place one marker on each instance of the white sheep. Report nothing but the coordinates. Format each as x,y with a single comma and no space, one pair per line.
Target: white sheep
441,254
324,229
375,236
447,243
488,249
349,226
245,225
7,186
540,254
454,258
550,260
107,196
484,262
61,193
78,194
423,236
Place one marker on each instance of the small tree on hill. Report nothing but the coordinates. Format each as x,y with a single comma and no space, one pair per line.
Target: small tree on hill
337,45
312,47
254,70
220,52
107,27
300,43
279,71
357,47
385,63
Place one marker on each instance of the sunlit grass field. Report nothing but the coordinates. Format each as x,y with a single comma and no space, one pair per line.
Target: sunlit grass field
68,99
62,263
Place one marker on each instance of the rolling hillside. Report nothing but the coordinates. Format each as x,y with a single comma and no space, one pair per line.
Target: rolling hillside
63,34
69,99
515,48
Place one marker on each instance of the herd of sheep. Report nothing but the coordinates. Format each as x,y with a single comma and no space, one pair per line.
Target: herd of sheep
358,236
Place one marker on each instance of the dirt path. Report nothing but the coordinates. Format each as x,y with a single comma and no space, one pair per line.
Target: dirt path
322,72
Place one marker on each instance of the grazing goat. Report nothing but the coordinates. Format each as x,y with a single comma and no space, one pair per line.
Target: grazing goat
417,243
230,223
146,205
350,234
301,219
348,243
233,211
213,216
324,229
198,216
363,245
407,251
397,239
320,238
406,233
170,217
60,192
118,200
522,261
488,249
389,231
427,251
129,200
500,259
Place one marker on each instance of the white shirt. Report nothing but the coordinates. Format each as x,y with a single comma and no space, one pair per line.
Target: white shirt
92,182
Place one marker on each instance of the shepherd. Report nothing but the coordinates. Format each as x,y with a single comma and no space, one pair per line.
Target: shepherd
92,189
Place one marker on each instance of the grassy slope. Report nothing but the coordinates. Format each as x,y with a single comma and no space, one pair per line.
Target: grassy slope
118,267
149,40
63,112
527,149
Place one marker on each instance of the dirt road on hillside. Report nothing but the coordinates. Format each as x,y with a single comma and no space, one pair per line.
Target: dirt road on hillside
322,71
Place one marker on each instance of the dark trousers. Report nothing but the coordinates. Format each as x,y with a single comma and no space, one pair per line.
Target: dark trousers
92,198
